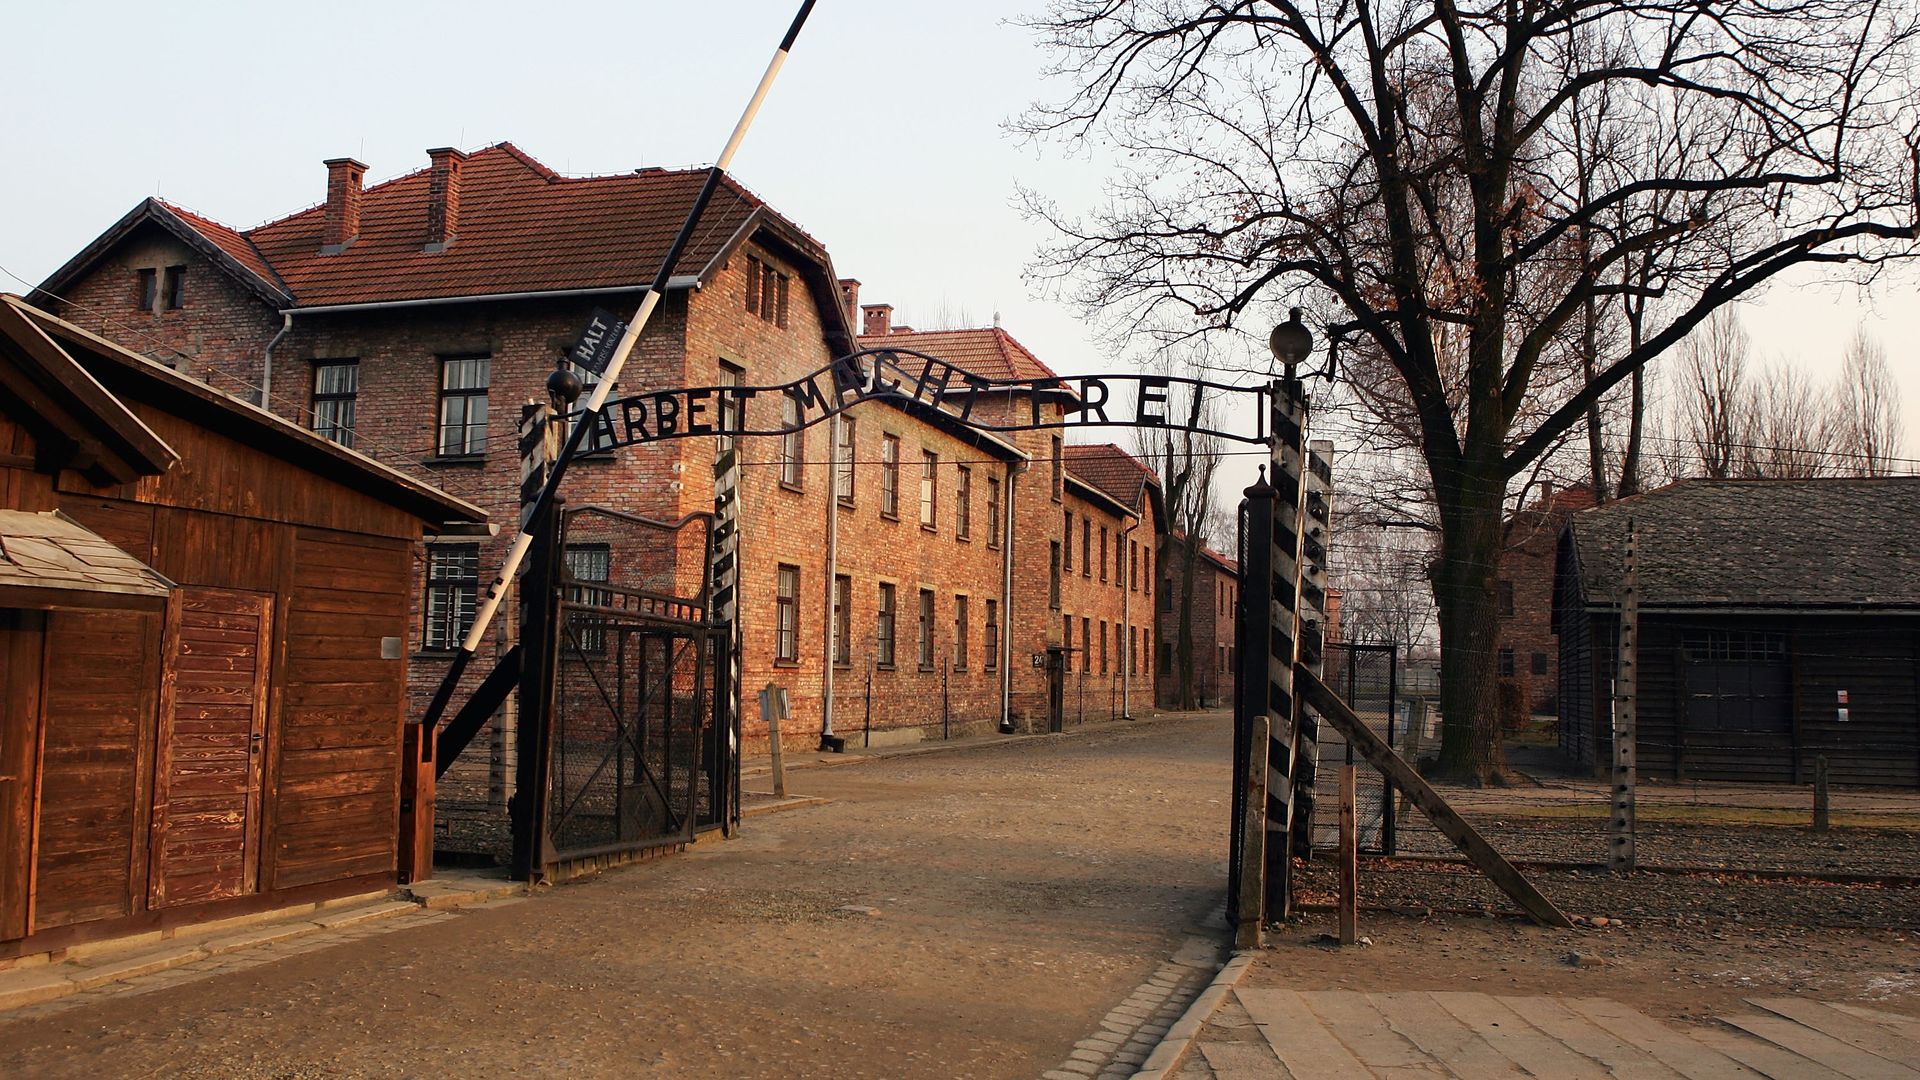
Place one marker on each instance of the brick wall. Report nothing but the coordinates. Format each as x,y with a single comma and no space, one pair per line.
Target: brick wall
1215,592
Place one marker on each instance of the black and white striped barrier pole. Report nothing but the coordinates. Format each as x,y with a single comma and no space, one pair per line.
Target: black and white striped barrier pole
1313,636
497,589
1289,408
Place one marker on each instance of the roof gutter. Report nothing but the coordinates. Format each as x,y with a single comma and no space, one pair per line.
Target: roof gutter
266,361
683,281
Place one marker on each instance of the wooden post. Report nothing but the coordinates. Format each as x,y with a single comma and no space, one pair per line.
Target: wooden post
1620,854
1253,850
1451,825
1349,858
773,709
1820,818
417,777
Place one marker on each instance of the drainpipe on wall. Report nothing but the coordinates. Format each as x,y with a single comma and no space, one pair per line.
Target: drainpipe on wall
827,739
1007,533
1126,623
266,362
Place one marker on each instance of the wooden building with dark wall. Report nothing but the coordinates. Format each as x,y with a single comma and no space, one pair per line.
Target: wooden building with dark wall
1779,623
203,623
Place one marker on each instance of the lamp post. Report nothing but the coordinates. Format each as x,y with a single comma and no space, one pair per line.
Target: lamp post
1291,343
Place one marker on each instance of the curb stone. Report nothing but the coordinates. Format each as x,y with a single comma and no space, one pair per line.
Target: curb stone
1179,1038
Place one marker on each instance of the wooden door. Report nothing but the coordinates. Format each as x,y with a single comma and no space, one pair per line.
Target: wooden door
207,772
22,639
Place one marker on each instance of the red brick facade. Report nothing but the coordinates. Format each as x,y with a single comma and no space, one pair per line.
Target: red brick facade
1216,591
698,336
1528,652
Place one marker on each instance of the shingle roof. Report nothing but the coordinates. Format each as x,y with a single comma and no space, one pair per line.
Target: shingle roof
1759,543
229,240
522,228
52,551
986,351
1117,474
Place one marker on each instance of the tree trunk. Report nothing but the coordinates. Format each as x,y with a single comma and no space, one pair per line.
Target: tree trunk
1464,592
1190,557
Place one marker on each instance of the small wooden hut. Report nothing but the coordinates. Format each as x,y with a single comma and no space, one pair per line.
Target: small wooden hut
204,632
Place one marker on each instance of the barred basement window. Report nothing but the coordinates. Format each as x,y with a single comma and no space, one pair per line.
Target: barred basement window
890,476
884,625
463,405
786,626
336,386
453,591
588,563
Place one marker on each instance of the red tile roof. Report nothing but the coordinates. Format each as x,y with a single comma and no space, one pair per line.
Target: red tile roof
1112,471
230,240
986,351
522,228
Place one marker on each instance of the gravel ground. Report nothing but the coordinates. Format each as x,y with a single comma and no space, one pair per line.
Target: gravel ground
954,915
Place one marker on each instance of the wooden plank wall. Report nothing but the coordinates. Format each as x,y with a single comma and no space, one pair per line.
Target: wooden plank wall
335,794
22,637
102,678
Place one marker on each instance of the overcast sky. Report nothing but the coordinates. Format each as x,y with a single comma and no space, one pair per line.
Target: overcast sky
883,136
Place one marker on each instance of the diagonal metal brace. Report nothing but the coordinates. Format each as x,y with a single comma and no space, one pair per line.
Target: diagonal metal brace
1402,775
485,701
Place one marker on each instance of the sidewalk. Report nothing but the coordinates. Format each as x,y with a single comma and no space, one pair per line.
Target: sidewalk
1495,998
183,954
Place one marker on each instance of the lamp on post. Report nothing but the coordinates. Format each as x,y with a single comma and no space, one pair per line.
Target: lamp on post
1291,342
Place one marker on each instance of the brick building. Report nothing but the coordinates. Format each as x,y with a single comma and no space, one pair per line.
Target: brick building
1527,649
1216,591
1079,522
411,318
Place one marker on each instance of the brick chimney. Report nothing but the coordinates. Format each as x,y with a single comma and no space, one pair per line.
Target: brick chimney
850,299
443,197
344,176
877,320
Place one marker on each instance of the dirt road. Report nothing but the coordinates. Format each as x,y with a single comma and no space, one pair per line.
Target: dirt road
1018,893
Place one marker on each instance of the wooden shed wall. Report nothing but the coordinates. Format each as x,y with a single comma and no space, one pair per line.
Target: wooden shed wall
1875,658
337,565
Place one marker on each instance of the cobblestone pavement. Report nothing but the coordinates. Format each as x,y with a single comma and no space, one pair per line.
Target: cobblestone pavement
1040,906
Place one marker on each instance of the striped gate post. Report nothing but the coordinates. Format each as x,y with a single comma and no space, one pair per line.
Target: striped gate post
1289,408
1313,636
724,610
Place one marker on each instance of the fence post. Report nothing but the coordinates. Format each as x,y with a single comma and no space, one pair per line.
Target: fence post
1249,914
773,709
1349,857
1318,532
1625,727
1821,820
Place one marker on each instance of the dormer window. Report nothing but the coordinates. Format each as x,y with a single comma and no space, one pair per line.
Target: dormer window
149,289
174,288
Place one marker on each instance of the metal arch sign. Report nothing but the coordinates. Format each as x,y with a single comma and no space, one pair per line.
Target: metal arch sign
915,378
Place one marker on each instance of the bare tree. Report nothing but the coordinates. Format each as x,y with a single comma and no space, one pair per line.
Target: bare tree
1711,402
1868,407
1187,463
1408,164
1789,430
